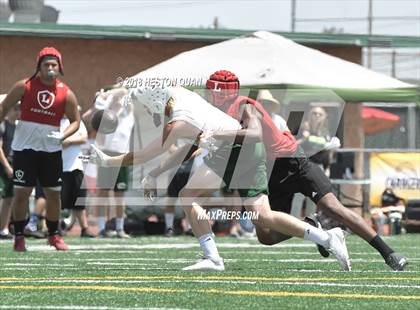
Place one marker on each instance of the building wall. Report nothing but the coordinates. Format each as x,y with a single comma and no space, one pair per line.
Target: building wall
90,64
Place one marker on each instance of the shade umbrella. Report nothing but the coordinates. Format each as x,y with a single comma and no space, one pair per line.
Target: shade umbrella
377,120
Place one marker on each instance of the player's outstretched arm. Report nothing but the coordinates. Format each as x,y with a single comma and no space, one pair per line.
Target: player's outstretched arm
171,133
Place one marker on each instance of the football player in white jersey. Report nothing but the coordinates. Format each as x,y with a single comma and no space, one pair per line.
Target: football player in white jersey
239,165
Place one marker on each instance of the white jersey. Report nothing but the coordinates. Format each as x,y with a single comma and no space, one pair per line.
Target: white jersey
71,154
33,136
194,110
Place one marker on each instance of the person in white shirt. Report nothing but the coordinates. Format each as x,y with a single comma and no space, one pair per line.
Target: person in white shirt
72,188
113,181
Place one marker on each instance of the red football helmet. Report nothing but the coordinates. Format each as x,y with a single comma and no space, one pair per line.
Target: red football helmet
49,51
223,86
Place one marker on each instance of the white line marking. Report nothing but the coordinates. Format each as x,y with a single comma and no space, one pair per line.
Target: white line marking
120,246
37,265
74,307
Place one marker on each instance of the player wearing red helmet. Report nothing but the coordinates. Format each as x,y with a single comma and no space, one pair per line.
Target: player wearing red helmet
291,171
37,141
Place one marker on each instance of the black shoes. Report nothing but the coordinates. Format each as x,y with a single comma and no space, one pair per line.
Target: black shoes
396,261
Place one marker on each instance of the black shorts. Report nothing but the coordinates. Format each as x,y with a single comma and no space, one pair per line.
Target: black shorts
71,190
30,165
296,175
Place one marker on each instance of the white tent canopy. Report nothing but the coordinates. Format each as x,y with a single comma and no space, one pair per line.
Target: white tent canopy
267,60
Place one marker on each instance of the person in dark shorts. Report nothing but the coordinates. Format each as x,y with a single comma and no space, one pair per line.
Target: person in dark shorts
44,100
73,177
289,169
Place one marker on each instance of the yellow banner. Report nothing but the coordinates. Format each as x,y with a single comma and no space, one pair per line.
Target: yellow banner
399,171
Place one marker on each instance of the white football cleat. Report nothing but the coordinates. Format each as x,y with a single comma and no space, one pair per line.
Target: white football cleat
337,247
206,263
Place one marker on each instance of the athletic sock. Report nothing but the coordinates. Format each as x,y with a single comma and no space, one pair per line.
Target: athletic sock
169,220
4,232
19,226
52,227
119,224
381,246
316,235
208,245
101,223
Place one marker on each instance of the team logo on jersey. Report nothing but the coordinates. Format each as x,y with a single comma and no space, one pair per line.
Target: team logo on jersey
45,99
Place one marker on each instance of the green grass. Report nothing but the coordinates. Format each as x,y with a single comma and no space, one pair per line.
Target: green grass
145,272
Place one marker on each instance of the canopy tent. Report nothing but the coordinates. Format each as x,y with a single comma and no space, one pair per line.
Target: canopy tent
266,60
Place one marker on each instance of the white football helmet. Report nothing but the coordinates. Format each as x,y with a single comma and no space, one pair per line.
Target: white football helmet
154,99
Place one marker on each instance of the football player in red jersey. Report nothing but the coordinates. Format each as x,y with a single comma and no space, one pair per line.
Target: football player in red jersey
37,141
291,171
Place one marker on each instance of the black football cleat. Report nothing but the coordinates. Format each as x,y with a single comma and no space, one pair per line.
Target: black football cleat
396,261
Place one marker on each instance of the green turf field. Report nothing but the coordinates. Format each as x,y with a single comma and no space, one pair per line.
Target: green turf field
145,273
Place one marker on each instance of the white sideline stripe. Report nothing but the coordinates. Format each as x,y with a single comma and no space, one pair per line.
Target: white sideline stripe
175,261
192,259
82,259
128,281
149,268
74,307
101,268
162,246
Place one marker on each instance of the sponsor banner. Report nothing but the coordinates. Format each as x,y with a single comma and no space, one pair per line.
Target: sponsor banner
399,171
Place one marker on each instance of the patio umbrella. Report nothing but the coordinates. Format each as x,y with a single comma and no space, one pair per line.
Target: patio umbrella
377,120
